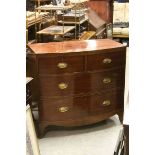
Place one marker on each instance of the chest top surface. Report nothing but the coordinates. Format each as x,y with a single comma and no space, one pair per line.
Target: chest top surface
74,46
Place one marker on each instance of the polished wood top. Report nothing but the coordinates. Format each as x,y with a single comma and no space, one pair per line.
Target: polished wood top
74,46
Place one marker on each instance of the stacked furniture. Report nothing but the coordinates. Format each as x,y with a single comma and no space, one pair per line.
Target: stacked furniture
41,2
34,21
101,16
79,20
121,20
54,30
103,8
78,82
97,25
33,18
75,13
66,17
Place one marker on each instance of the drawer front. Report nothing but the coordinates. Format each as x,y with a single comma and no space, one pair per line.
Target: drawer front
81,83
106,102
63,108
108,79
79,107
64,85
62,64
105,60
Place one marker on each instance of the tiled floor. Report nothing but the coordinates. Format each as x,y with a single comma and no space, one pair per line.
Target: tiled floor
98,139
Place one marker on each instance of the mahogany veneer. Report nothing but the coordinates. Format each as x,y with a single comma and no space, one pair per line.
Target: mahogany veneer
78,82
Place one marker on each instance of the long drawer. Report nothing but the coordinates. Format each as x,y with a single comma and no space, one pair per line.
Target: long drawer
81,83
77,107
61,64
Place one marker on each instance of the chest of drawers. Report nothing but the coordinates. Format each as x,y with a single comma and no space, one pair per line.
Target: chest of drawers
78,82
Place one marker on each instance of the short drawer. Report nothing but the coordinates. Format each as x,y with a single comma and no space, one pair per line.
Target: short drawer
61,64
105,60
108,79
63,108
106,102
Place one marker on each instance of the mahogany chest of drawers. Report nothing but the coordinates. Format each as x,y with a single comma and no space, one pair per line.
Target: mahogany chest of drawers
78,82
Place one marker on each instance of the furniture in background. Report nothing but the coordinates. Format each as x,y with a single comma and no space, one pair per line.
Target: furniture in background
34,21
126,127
71,15
41,2
55,30
77,17
72,91
126,139
122,1
101,17
119,148
97,25
104,9
121,22
100,13
122,145
87,35
32,146
31,102
29,91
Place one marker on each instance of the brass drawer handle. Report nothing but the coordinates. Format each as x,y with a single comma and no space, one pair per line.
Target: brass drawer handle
62,65
62,86
106,80
63,109
107,61
106,102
